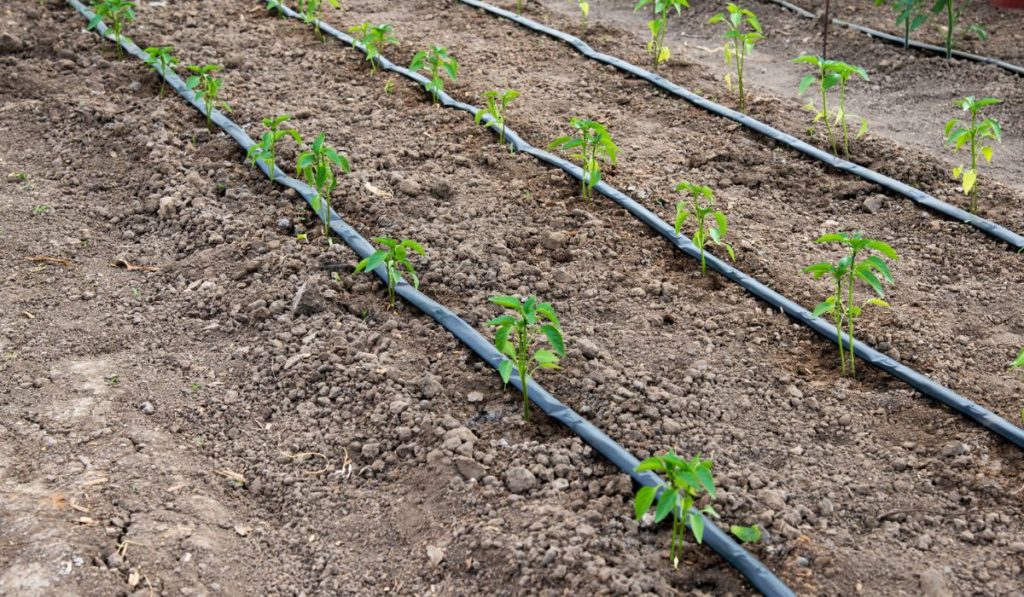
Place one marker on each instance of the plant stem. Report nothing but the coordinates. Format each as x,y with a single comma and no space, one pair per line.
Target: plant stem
842,115
824,109
974,163
524,356
739,77
837,311
824,32
949,29
851,356
906,33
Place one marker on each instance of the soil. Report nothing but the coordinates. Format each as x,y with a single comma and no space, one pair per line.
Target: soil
184,425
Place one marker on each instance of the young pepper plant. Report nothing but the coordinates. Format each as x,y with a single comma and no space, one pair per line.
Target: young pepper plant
699,206
592,145
394,256
117,13
519,337
954,11
686,482
437,61
373,38
584,7
266,149
207,88
162,60
830,74
658,26
743,30
910,14
852,267
313,10
959,133
497,108
317,167
1018,363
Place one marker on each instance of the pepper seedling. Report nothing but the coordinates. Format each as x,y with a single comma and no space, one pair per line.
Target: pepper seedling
317,167
1018,363
658,26
437,61
700,205
373,38
685,483
739,42
497,108
959,133
519,6
832,73
265,150
117,13
518,337
162,61
584,7
852,267
313,10
207,88
592,145
394,256
910,14
954,12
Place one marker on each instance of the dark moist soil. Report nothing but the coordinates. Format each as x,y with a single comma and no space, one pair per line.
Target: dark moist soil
232,440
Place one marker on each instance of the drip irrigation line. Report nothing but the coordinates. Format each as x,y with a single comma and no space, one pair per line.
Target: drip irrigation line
1015,240
749,566
920,382
897,39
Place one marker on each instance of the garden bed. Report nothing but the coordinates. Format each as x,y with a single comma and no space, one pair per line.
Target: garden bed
859,484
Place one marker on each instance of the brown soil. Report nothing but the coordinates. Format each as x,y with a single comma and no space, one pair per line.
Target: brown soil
372,452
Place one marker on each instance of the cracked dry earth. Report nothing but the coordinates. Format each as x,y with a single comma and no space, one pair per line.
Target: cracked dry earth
193,403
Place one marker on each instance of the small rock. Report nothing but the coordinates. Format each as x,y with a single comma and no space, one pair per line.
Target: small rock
520,480
588,348
435,555
430,386
147,408
285,226
873,204
773,499
933,584
167,208
308,300
9,44
475,397
553,240
410,187
371,450
954,448
470,468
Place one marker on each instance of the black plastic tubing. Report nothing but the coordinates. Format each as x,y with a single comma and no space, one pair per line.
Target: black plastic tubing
918,381
1016,241
897,39
750,567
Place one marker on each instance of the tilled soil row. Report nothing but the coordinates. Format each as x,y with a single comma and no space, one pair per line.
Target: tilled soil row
481,212
907,101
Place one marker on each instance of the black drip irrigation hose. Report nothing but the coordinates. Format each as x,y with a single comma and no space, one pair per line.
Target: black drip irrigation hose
897,39
920,382
750,567
1016,241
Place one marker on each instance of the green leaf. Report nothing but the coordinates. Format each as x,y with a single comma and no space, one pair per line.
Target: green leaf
697,527
987,152
650,464
868,276
371,262
554,336
545,357
969,180
666,503
751,534
505,369
510,302
643,500
882,247
823,307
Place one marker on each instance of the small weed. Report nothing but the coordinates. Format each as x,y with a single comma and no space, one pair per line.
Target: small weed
317,166
584,7
394,256
313,10
112,380
207,88
43,209
830,74
118,13
517,335
162,61
497,107
519,6
959,133
1018,363
844,273
658,26
265,150
700,205
389,86
739,43
373,38
593,145
437,61
302,237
